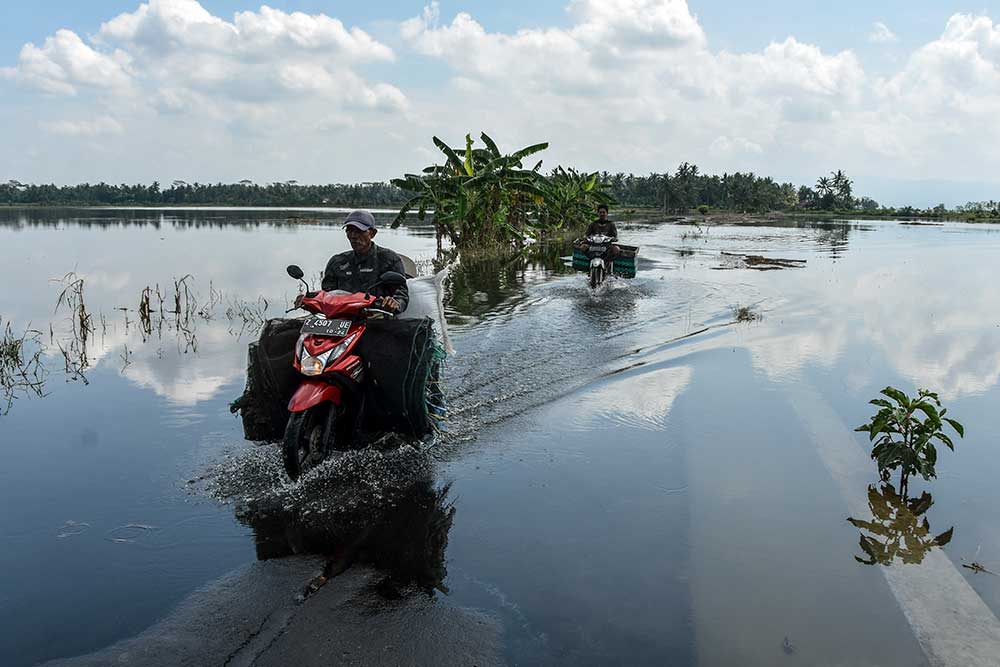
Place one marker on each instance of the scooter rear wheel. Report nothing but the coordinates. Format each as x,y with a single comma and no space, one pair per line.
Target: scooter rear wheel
308,439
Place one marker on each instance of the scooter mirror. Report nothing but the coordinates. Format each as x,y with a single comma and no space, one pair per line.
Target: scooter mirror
295,272
392,278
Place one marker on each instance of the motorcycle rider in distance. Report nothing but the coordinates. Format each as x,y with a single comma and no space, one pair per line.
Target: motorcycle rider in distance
602,227
358,269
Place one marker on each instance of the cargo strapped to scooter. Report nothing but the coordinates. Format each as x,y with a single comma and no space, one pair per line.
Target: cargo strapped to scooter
271,381
623,265
402,392
402,362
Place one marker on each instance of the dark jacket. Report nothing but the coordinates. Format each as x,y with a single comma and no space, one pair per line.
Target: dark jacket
352,272
602,228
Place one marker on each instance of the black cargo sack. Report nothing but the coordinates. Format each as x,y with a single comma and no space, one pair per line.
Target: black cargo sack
402,362
271,381
402,365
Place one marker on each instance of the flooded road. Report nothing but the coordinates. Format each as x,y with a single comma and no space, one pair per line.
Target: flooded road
632,474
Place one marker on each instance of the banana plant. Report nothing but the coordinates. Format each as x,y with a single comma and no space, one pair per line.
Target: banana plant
482,196
571,198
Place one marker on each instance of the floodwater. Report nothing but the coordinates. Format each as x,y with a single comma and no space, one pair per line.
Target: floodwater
626,476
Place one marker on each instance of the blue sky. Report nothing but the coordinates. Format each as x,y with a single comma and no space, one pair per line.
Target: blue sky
783,88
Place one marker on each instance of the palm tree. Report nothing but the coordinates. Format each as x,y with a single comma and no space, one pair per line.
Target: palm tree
842,189
824,186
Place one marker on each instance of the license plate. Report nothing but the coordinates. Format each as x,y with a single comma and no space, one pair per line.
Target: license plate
598,248
318,327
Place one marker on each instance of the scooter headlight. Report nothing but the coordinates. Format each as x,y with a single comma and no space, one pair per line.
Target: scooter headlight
315,365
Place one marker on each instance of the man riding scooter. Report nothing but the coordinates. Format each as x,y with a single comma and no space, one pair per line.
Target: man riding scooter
358,269
602,227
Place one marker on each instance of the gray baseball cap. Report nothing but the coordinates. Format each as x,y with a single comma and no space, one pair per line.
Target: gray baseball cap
362,220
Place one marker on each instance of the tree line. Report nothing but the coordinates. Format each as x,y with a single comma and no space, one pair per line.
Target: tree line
181,193
688,188
682,190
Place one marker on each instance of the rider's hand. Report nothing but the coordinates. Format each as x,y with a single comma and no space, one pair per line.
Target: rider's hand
390,304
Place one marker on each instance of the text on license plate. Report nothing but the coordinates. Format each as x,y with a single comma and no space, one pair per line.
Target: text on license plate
320,327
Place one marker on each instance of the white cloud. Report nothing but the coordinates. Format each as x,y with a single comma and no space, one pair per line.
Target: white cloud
727,146
786,108
85,128
258,57
641,72
174,57
941,107
166,26
64,64
881,34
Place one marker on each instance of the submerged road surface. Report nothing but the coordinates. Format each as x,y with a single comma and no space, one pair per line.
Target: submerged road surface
256,616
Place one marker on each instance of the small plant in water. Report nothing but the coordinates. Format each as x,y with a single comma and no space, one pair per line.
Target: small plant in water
903,432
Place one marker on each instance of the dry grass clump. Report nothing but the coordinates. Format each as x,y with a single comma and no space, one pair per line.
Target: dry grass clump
746,314
21,370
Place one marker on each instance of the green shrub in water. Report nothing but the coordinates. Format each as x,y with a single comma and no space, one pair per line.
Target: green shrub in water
903,434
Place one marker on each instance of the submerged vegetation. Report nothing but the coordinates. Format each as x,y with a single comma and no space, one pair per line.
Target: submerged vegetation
902,439
25,358
21,369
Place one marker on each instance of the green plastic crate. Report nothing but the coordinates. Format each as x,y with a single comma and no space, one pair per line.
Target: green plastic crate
624,264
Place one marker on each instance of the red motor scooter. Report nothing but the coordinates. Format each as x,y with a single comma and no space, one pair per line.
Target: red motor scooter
326,405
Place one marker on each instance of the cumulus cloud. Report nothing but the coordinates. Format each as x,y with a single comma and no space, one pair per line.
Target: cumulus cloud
644,73
881,34
165,26
64,64
175,57
640,71
262,56
941,107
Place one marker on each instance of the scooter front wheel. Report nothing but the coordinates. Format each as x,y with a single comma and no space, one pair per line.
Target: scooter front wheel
596,277
307,440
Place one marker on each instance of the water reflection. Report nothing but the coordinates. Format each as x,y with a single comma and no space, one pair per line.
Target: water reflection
188,218
898,531
490,285
833,237
925,311
406,539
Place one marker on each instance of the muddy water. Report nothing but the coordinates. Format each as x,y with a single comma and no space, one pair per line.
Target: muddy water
626,475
